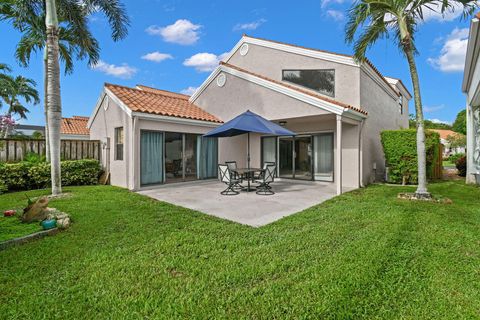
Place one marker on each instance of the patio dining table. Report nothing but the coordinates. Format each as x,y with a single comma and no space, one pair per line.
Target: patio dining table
247,174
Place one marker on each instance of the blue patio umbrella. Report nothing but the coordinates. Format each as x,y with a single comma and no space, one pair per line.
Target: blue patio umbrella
245,123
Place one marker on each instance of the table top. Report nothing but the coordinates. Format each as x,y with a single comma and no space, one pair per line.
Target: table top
246,170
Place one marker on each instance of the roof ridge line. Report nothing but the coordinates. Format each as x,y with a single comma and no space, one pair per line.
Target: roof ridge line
148,92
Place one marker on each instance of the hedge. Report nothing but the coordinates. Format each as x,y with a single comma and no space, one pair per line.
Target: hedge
27,175
400,148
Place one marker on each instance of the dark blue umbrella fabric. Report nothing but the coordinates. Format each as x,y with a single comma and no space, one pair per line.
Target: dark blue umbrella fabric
245,123
248,122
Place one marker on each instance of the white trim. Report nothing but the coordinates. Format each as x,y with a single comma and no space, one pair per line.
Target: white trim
470,60
95,110
66,136
178,120
350,61
118,102
204,85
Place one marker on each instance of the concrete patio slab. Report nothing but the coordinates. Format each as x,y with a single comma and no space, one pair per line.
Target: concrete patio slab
291,196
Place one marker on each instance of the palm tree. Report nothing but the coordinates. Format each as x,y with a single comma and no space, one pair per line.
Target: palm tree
75,40
118,21
15,88
378,19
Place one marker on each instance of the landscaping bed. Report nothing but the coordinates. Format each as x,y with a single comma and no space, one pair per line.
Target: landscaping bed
365,254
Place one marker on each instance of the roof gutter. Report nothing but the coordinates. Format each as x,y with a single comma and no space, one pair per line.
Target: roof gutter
469,59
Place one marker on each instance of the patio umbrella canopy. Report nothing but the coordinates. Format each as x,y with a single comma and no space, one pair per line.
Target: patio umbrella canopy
248,122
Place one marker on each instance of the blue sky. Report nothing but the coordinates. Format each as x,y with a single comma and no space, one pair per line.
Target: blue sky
174,44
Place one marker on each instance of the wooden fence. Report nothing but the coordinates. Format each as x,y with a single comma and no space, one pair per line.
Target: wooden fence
14,150
437,165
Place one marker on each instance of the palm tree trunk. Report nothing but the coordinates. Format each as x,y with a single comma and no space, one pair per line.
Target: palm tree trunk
422,191
45,81
53,98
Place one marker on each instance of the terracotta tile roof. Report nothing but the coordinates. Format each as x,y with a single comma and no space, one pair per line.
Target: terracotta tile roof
164,92
160,102
318,96
330,52
75,125
444,133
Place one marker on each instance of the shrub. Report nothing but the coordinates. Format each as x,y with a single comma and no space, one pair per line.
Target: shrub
461,165
33,157
400,148
25,175
454,157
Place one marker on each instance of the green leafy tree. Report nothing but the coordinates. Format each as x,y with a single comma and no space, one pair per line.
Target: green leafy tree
13,90
460,123
57,14
377,19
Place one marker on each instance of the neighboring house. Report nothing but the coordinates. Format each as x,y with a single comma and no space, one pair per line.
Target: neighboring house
445,137
74,128
471,87
332,102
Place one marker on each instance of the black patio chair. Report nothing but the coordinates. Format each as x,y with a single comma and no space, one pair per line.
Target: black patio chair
226,177
268,177
232,166
261,173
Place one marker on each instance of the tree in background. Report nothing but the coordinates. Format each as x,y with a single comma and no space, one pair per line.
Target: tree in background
376,19
460,123
75,40
429,124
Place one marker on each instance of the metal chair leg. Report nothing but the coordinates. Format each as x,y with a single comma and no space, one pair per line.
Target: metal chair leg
229,191
264,190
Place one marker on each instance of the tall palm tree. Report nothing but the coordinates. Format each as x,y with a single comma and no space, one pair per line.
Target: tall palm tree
13,89
118,21
75,40
377,19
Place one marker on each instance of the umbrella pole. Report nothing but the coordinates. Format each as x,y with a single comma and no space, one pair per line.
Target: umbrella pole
248,151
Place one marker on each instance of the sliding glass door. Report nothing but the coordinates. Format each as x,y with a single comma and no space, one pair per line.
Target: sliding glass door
151,157
306,157
323,157
173,157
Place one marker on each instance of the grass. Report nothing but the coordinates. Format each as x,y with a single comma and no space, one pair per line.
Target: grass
12,227
447,163
365,254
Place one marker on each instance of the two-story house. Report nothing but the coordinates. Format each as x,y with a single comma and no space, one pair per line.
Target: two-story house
335,105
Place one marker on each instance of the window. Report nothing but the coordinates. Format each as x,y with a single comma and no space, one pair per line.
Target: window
118,143
322,81
400,104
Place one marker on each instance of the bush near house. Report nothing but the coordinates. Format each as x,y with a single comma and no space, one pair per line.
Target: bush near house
400,148
461,165
454,157
27,175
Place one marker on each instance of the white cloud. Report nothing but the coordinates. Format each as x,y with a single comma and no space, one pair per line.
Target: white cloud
156,56
440,121
123,71
204,62
430,109
325,3
249,26
452,55
181,32
189,91
335,15
436,15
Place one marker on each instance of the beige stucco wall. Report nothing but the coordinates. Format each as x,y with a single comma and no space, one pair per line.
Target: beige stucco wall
270,63
103,126
383,114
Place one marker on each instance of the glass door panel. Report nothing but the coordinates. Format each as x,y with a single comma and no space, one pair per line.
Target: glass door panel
286,157
303,158
323,157
151,157
173,157
190,157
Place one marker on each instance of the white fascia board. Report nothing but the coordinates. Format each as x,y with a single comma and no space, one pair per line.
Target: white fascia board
95,110
119,102
204,85
178,120
470,60
322,104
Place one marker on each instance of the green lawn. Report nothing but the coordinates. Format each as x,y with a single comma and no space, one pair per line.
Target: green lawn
12,227
447,163
362,255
